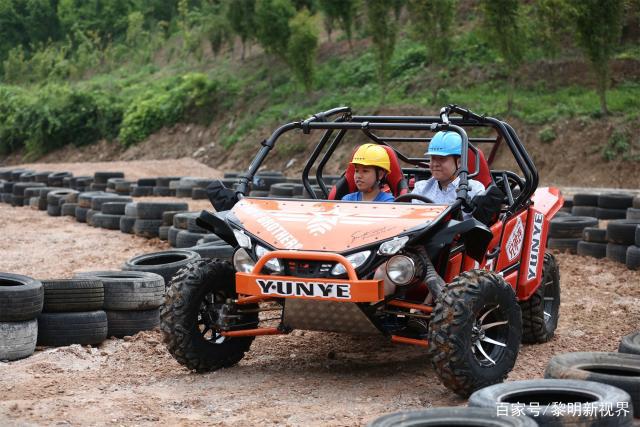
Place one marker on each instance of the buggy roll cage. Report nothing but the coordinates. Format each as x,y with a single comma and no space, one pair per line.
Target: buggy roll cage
367,124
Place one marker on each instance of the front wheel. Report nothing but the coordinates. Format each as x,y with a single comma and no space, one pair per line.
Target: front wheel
475,332
541,311
195,311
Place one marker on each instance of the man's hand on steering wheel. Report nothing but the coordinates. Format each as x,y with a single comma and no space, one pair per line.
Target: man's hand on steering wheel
411,196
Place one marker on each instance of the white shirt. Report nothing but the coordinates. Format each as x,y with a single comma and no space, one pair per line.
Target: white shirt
431,189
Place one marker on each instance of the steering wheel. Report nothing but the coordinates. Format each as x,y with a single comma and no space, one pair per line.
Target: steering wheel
411,196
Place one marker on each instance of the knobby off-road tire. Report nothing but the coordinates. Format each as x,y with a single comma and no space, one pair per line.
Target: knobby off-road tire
476,417
540,312
202,285
477,310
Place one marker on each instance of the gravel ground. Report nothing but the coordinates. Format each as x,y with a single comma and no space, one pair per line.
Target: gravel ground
304,378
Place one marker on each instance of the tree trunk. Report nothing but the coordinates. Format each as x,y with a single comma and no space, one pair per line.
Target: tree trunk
510,90
244,44
602,77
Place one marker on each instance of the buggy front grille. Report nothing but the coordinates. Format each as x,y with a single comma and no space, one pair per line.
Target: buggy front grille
304,268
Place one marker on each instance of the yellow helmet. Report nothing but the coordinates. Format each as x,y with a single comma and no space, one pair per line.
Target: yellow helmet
372,155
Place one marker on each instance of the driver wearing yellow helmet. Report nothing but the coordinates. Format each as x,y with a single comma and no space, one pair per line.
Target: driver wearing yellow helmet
372,165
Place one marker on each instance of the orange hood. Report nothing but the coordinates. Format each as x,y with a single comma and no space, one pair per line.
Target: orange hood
329,225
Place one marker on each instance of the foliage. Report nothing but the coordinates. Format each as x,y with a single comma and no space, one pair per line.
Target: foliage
619,146
272,25
383,35
431,22
598,28
547,134
303,44
550,28
241,17
340,11
108,18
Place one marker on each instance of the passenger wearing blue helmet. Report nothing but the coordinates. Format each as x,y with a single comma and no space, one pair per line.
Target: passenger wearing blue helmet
444,152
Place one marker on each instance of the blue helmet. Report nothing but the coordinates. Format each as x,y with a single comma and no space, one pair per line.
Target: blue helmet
445,143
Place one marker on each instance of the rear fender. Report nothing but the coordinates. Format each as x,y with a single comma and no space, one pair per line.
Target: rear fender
546,202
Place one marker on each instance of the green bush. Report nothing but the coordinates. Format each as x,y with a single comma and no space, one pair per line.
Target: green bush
547,135
167,104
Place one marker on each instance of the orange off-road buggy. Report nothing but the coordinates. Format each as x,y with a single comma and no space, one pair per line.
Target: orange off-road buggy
468,290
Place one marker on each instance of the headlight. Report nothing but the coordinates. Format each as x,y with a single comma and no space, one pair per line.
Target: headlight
243,240
391,247
242,261
356,261
401,269
272,264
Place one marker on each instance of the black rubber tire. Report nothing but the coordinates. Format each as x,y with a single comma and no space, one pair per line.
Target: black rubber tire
536,327
164,263
181,312
141,190
630,344
259,193
58,197
636,202
147,227
548,394
594,234
126,224
619,370
450,333
633,259
167,217
113,208
84,327
129,290
147,182
84,199
163,232
181,220
20,187
131,209
68,209
622,231
615,201
585,211
103,220
163,181
54,210
451,416
21,297
210,238
164,192
42,176
637,242
193,227
198,193
633,213
18,339
564,244
603,213
90,214
56,179
96,202
282,189
70,295
570,226
172,236
81,214
585,199
129,323
592,249
217,250
617,253
154,210
187,239
103,177
184,191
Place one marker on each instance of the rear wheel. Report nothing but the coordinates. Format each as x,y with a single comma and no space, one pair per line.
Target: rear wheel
475,332
541,311
195,311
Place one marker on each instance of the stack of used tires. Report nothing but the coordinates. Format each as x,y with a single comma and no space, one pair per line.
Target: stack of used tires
199,191
613,205
105,220
286,190
634,211
84,204
144,219
452,416
73,313
566,231
131,300
143,187
185,233
593,243
56,200
167,222
111,211
163,187
57,179
585,204
164,263
621,241
119,186
263,180
100,180
81,183
184,187
21,300
19,188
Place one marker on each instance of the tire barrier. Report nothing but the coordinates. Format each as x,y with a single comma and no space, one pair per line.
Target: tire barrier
165,263
481,417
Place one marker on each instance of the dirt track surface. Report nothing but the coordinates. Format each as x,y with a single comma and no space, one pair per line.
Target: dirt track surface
305,378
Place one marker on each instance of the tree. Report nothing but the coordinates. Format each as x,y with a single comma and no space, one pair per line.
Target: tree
598,29
501,21
272,26
340,11
241,16
382,28
303,44
431,21
109,18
